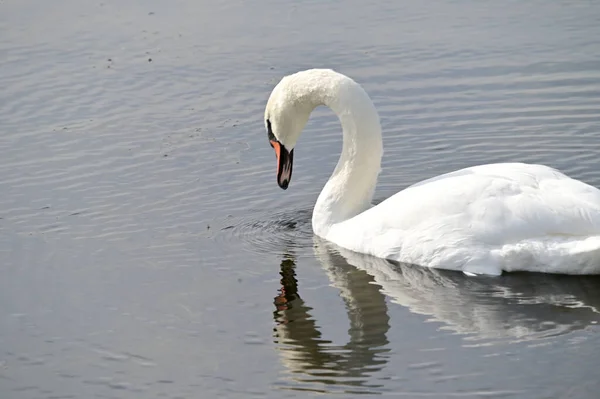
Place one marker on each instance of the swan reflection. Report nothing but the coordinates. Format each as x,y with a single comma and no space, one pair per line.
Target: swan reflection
515,307
523,306
312,358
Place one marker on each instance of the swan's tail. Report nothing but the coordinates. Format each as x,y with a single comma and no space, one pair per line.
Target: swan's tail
560,254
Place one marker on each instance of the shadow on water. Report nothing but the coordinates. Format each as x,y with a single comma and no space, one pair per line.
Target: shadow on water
509,308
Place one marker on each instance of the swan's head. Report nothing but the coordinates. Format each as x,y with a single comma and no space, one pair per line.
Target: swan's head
286,114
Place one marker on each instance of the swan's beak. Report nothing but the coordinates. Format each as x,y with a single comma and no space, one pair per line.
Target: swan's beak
285,160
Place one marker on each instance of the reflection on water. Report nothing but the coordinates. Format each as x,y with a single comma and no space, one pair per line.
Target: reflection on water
523,306
312,358
515,307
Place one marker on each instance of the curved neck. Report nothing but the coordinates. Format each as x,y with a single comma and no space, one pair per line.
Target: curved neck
349,191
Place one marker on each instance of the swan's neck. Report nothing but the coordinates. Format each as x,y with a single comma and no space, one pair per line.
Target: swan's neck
349,190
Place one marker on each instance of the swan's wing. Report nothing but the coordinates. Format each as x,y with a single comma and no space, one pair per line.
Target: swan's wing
482,207
520,171
497,200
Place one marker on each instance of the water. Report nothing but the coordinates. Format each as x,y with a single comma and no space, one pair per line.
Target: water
146,250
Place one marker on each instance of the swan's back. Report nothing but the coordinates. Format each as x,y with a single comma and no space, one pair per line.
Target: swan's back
486,219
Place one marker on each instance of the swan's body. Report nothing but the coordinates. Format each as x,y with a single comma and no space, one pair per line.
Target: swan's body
481,220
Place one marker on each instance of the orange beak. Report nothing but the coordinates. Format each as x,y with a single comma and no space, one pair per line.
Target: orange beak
285,161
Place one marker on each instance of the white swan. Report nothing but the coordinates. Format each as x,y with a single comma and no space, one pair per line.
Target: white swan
481,220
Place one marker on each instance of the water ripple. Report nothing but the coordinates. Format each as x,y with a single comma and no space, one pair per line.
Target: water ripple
272,233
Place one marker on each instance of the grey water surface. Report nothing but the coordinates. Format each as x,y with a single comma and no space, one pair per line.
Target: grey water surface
147,252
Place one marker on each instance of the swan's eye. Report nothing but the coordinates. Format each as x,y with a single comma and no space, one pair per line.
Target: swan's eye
270,132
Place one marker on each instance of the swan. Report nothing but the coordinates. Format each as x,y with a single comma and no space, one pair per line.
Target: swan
486,219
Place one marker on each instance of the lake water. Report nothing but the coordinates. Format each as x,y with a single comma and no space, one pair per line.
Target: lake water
147,252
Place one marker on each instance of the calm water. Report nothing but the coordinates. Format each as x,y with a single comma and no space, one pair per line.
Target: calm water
147,252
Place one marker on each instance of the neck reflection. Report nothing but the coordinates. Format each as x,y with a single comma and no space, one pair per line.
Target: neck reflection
314,359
